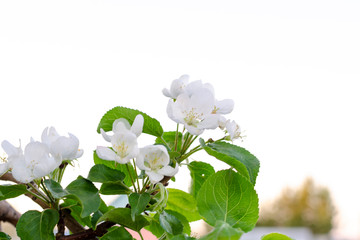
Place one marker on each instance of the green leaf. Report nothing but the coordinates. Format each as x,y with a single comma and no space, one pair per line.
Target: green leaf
117,233
199,172
87,194
138,203
183,221
151,125
4,236
114,189
184,203
275,236
55,189
182,237
34,225
169,138
237,157
122,216
11,191
154,226
229,197
117,166
103,174
170,223
223,231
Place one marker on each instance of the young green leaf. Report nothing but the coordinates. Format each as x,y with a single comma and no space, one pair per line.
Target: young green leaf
184,203
229,197
199,172
55,189
34,225
170,223
122,216
117,233
237,157
138,203
86,193
223,231
103,174
183,220
275,236
11,191
182,237
151,125
114,189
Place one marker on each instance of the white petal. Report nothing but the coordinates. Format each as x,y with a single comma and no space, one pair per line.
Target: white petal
105,135
166,92
140,162
79,153
211,121
168,171
225,106
49,135
120,125
4,167
193,130
137,125
203,101
10,149
154,177
66,147
106,153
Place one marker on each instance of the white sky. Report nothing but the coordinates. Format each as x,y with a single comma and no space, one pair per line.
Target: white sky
292,68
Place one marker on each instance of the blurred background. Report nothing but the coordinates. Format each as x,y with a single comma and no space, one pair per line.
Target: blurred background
292,68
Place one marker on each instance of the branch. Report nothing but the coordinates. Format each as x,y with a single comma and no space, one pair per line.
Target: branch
69,221
8,213
89,234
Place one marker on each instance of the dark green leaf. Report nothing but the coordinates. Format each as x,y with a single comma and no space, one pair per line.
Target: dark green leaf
11,191
4,236
275,236
229,197
170,223
154,226
183,221
122,216
199,172
87,194
103,174
237,157
117,233
55,189
151,125
223,231
117,166
114,189
138,203
34,225
184,203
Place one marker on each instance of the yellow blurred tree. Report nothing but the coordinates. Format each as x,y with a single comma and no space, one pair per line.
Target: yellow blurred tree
308,206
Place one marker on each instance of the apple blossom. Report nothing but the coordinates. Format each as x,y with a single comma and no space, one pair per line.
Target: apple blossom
233,129
35,162
124,140
65,147
177,87
154,159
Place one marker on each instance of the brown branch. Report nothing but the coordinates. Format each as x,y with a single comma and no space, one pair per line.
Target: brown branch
69,221
89,234
8,213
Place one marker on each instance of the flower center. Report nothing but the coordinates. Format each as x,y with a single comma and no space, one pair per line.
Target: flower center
192,118
121,149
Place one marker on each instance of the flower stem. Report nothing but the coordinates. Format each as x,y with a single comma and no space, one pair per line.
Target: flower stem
131,178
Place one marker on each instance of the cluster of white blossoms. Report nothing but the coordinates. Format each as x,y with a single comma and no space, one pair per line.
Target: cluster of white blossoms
194,105
39,159
153,159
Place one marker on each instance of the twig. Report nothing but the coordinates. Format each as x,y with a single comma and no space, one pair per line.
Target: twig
8,213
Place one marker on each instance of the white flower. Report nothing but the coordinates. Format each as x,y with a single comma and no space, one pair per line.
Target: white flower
65,147
177,87
124,141
194,111
154,159
233,129
35,162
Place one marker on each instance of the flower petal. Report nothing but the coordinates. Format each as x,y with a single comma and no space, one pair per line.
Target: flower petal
106,153
224,106
154,177
137,125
